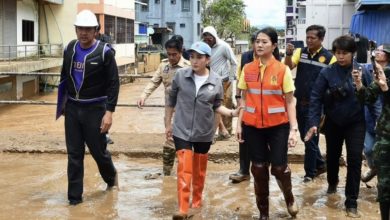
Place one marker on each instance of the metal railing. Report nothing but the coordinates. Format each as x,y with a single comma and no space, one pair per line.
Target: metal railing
29,52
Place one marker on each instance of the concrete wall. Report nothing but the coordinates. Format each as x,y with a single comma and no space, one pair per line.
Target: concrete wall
334,15
8,27
57,23
26,10
60,19
20,80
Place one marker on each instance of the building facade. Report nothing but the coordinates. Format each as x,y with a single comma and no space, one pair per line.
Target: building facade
334,15
170,17
34,33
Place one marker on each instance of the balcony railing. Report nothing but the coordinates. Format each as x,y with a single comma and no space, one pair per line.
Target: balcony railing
30,52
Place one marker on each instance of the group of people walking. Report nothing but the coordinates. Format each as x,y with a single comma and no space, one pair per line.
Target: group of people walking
271,109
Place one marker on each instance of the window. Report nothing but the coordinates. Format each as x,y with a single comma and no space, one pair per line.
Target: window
198,29
171,25
173,2
130,31
145,7
289,2
27,31
5,87
109,27
157,1
185,5
182,25
120,30
198,7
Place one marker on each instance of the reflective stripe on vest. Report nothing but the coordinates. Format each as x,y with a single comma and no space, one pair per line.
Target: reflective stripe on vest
265,92
272,92
250,109
254,91
265,100
312,62
276,110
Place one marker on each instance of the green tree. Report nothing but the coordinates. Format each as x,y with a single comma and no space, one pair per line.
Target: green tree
226,16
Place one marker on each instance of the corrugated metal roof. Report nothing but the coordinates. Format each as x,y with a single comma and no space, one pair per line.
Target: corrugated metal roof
371,4
372,24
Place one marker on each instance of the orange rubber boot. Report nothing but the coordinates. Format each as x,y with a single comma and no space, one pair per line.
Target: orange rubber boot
184,176
199,175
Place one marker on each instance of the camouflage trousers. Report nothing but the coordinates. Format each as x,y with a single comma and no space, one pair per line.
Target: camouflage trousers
169,153
382,163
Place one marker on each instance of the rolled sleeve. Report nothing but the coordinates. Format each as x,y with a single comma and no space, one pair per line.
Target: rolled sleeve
153,84
172,99
241,81
288,82
296,56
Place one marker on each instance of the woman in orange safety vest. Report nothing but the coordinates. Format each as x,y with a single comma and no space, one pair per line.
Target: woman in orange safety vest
268,122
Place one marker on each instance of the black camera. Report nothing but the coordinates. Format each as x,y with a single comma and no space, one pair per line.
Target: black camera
338,92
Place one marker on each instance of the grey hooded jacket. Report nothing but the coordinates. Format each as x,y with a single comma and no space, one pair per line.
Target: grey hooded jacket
194,114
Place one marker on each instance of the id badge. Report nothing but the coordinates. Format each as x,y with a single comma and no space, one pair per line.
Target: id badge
166,69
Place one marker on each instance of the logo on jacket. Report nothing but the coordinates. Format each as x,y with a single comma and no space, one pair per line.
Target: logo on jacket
322,59
274,80
210,87
304,55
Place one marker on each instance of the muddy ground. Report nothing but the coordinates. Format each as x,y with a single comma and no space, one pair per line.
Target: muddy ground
33,167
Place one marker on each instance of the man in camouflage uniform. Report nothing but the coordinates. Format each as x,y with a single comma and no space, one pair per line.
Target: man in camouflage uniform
164,74
381,148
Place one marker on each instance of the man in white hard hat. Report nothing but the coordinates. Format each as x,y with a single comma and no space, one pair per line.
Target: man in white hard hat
90,79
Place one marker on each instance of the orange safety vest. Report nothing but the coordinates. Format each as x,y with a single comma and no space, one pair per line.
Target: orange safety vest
265,101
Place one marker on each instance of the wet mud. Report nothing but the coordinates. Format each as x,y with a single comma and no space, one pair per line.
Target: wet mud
33,183
34,186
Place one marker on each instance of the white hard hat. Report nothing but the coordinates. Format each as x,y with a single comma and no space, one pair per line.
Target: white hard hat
86,18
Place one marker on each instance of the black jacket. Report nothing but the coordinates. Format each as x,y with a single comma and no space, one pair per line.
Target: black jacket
100,75
334,90
246,57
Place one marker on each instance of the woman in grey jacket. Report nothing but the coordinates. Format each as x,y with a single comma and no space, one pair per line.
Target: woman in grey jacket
196,95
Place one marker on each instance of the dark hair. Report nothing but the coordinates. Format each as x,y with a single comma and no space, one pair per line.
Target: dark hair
175,44
178,38
253,38
344,42
320,30
273,35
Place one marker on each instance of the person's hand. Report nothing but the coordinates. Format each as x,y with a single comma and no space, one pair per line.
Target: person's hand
380,78
290,49
106,122
141,102
309,134
239,133
357,78
236,112
292,138
168,132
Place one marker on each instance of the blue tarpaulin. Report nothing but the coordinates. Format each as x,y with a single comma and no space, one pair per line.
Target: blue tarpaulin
375,25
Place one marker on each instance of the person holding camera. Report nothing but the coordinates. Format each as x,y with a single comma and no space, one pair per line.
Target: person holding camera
369,95
334,90
373,111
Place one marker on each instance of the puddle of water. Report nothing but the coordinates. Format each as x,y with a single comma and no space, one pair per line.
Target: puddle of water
33,186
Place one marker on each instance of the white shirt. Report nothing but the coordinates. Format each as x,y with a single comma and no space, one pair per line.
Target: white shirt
199,80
